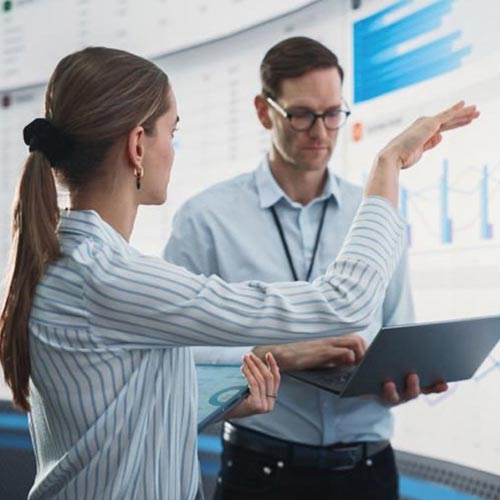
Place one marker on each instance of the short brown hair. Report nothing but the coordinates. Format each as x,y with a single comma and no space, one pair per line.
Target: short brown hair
294,57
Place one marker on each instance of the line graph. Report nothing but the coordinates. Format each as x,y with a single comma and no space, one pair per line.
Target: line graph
459,202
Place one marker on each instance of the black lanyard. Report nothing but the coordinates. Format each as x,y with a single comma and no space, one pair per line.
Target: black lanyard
285,245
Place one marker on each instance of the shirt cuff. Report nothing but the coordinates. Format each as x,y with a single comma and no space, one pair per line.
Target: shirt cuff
220,355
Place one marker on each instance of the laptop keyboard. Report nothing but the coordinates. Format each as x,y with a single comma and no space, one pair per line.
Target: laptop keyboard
333,379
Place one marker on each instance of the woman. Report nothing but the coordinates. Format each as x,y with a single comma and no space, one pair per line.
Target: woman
94,335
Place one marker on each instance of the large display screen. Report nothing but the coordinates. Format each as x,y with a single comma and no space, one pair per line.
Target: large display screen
401,59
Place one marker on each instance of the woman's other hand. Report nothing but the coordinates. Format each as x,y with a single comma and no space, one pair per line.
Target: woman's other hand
263,383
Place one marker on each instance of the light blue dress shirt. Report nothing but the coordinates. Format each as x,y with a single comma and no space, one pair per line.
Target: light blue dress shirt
113,387
229,230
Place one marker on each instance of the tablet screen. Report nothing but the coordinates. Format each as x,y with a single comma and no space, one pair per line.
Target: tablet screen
220,387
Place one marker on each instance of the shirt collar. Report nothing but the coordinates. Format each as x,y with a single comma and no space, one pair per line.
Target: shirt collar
270,192
89,223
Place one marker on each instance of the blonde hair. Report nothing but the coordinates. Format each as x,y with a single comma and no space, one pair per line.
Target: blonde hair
94,97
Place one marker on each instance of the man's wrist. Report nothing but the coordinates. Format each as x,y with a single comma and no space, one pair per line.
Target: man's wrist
276,350
260,352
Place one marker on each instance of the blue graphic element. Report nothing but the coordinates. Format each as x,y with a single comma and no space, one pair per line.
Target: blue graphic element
14,432
486,227
416,489
404,202
457,209
209,468
493,367
15,442
224,395
380,67
13,421
446,235
209,444
404,212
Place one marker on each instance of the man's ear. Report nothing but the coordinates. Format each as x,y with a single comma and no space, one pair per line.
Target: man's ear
135,147
262,108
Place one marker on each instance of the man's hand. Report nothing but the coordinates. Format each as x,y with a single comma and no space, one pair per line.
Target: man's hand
344,350
412,390
263,382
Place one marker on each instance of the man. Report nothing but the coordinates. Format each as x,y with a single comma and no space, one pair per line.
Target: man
287,220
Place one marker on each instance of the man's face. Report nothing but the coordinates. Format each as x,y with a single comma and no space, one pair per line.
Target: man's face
318,91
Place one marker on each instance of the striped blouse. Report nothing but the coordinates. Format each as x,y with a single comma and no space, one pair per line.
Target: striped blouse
113,387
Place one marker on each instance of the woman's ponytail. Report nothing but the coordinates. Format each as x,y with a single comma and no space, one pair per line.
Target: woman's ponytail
34,246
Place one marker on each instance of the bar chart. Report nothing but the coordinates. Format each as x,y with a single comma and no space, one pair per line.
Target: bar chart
476,206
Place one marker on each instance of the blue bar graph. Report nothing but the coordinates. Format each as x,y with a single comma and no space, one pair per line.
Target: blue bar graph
446,223
486,226
404,212
459,207
380,64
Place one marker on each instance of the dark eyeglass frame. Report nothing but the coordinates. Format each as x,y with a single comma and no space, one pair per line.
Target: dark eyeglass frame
289,116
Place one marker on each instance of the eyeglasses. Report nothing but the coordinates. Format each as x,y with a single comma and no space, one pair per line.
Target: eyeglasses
304,119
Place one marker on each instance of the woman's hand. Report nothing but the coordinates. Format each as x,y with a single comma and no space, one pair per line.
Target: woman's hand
407,148
425,133
263,382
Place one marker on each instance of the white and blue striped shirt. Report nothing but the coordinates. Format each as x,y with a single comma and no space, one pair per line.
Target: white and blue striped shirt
113,387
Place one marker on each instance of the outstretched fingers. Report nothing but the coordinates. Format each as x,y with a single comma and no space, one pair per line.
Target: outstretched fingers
457,115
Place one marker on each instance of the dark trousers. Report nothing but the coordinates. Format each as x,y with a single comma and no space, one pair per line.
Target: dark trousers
247,475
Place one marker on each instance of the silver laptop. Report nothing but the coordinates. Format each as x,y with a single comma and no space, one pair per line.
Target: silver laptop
442,351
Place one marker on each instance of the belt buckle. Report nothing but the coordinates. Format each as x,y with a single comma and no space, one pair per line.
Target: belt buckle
352,453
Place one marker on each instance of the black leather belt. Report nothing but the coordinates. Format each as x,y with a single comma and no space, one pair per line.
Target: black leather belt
339,456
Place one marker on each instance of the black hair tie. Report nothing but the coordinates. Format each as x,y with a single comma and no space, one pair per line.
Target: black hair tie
41,135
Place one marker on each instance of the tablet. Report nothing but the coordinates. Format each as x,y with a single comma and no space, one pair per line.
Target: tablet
220,388
441,351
